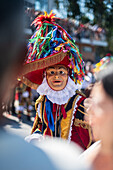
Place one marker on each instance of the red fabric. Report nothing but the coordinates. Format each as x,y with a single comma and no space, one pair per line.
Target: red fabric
47,132
54,111
84,135
16,96
79,102
40,124
37,76
28,89
54,108
63,111
80,136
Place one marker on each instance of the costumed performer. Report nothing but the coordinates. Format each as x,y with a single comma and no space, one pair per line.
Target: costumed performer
54,67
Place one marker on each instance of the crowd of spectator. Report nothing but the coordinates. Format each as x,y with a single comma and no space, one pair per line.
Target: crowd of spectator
76,29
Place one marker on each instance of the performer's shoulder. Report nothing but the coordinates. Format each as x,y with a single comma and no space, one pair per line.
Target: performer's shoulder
80,93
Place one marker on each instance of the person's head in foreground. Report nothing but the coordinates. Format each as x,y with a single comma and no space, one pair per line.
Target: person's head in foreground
100,112
12,47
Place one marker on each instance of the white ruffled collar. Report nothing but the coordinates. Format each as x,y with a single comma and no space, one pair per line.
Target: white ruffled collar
58,97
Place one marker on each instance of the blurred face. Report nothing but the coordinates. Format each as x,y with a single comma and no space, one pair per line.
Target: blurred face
57,77
100,111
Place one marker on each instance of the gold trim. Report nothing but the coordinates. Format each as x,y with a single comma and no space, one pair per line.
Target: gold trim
44,117
41,111
82,112
39,100
81,123
90,137
79,92
83,106
84,125
65,123
43,63
34,124
28,83
67,102
37,129
45,121
44,112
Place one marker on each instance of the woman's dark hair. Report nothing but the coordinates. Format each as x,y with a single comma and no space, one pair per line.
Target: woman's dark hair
106,77
88,90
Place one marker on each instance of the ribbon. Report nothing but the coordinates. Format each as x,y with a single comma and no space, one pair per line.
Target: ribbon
50,118
62,110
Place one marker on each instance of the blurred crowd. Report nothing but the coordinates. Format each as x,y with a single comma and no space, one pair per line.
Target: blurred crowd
21,102
79,30
24,98
73,27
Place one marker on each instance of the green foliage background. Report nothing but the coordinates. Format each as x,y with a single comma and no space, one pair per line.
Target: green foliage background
102,12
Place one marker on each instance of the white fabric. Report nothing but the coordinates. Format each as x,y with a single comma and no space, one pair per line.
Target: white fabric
75,107
58,97
49,154
34,137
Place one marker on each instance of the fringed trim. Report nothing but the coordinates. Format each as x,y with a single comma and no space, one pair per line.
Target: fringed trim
74,110
44,62
28,82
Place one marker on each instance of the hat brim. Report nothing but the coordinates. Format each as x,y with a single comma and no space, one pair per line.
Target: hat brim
33,71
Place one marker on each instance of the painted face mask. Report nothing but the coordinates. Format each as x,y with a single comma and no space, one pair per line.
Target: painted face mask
57,77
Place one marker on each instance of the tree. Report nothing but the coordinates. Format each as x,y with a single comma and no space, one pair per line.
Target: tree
73,9
102,11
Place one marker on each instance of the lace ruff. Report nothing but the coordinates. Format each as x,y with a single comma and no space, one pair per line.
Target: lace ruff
58,97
